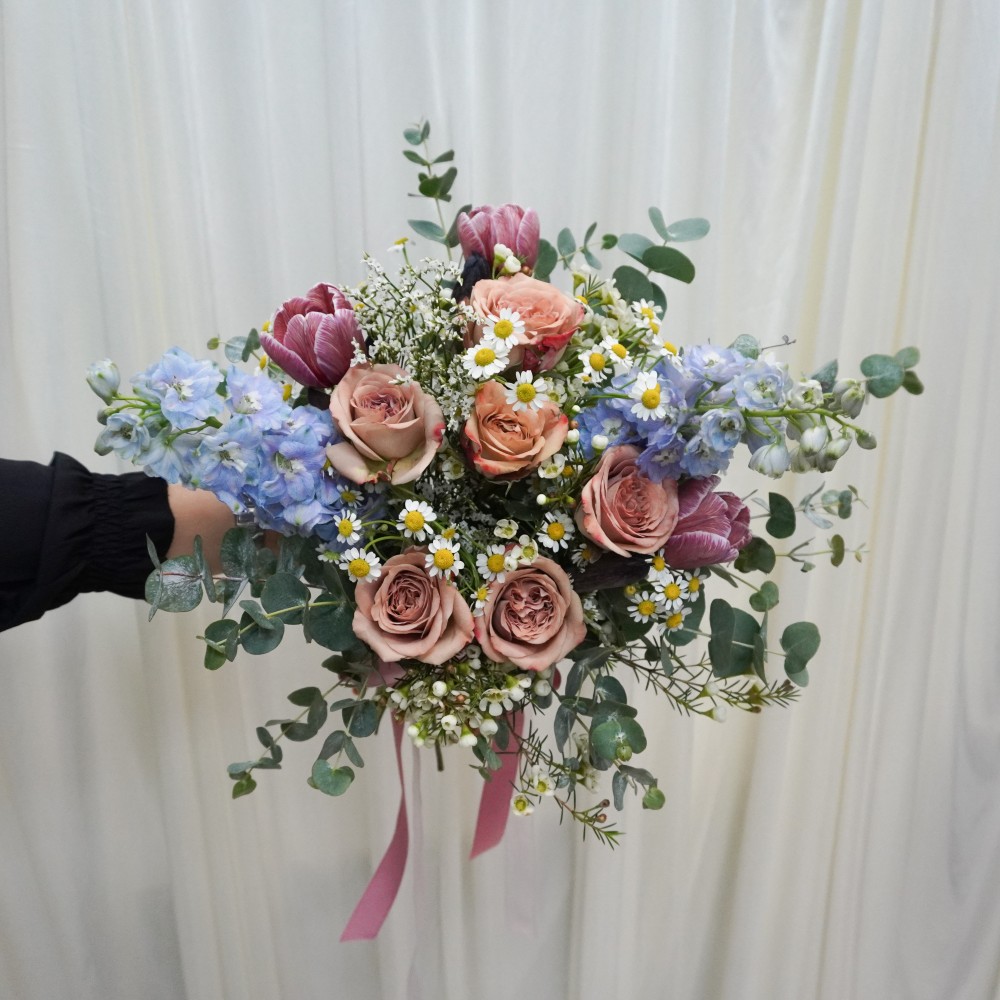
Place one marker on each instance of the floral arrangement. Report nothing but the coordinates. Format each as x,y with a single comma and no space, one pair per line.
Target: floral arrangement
498,501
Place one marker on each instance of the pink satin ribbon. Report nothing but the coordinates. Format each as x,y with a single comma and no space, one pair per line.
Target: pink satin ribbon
494,809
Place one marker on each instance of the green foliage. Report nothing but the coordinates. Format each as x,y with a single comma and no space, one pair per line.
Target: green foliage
287,596
781,523
686,230
912,383
244,786
174,586
429,230
765,598
731,646
757,554
836,550
746,345
800,642
331,780
331,622
548,257
885,374
827,375
222,639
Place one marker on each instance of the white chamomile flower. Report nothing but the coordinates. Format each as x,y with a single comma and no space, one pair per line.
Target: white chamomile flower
552,468
584,555
521,805
505,528
452,467
695,579
675,619
526,393
658,568
348,526
673,589
597,365
648,397
506,327
646,605
361,565
491,563
442,558
486,359
648,315
350,497
618,353
414,519
399,245
481,596
557,530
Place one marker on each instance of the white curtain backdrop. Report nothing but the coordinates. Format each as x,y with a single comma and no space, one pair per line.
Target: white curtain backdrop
172,172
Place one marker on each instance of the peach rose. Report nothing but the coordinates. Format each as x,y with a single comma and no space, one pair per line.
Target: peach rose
622,510
391,426
408,614
533,619
550,317
504,443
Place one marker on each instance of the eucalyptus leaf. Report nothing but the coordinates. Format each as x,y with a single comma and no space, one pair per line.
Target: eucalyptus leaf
334,743
362,719
633,284
256,640
353,754
331,622
827,375
562,725
565,243
912,383
176,585
670,262
287,595
781,523
765,598
756,554
685,230
244,786
619,785
885,374
656,218
836,550
429,230
635,245
547,259
800,641
908,357
331,780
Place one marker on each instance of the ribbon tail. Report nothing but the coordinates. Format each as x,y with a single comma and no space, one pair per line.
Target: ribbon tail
494,803
373,907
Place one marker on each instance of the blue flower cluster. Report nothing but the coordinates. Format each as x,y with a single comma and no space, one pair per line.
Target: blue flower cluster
703,394
233,433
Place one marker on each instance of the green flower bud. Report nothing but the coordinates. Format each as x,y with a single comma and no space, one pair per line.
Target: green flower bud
653,799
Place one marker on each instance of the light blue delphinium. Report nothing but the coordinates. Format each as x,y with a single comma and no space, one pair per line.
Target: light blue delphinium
184,387
126,435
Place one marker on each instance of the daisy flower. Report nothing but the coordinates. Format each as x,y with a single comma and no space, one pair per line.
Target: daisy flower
491,563
673,589
481,596
648,315
350,497
361,565
646,392
645,606
526,393
675,619
442,558
557,530
618,354
584,555
596,364
486,359
694,579
505,328
348,527
658,568
414,519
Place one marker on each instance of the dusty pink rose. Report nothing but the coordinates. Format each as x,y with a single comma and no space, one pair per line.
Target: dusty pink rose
484,227
550,317
504,443
533,619
313,337
408,614
711,527
624,511
391,427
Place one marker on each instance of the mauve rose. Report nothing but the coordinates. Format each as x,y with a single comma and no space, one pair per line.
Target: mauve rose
408,614
504,443
711,527
391,426
484,227
624,511
550,317
533,619
313,338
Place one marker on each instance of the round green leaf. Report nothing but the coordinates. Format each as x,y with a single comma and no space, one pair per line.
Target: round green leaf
331,780
908,357
256,640
765,598
885,374
175,586
800,642
685,230
668,261
781,523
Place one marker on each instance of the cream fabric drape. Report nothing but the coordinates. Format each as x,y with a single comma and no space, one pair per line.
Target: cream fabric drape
171,172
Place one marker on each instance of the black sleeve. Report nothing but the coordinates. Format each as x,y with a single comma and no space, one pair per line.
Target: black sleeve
65,531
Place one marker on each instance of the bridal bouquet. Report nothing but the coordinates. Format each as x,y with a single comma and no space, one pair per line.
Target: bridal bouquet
497,501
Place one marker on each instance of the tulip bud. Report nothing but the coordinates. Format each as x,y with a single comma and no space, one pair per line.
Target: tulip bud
104,378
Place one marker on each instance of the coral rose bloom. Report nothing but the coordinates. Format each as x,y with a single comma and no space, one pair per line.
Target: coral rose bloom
550,317
624,511
504,443
533,619
408,614
392,428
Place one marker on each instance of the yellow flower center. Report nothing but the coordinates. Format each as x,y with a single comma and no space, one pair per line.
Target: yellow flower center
556,531
345,528
654,326
651,398
597,361
502,329
630,590
414,520
672,591
286,392
619,349
495,562
669,347
359,568
567,471
263,362
485,356
674,621
694,584
526,392
449,532
482,593
647,312
646,608
266,326
444,559
659,564
348,496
